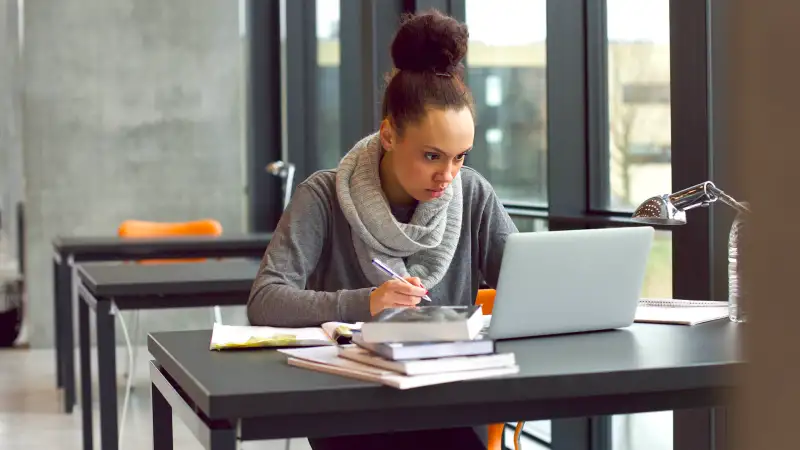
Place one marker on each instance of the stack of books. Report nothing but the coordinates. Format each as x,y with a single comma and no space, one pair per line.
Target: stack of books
412,347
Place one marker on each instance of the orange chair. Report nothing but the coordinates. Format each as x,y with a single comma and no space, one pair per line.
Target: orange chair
145,229
485,299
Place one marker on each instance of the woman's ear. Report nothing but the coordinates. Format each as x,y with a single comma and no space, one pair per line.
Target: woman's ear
387,135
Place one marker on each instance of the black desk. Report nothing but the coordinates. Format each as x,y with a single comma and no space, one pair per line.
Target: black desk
107,288
253,395
71,250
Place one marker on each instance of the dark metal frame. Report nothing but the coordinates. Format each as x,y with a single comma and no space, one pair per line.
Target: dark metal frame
68,252
691,247
105,309
366,32
720,155
264,112
567,112
597,105
300,61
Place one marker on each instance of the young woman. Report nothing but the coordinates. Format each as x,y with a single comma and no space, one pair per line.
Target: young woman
401,195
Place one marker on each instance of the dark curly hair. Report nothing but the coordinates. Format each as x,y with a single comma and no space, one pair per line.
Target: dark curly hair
427,52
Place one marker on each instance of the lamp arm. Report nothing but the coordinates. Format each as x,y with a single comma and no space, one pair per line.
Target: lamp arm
702,195
727,199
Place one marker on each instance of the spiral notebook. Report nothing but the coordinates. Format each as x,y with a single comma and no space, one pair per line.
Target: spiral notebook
679,312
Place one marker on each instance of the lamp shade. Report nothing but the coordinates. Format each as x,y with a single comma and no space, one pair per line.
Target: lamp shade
659,210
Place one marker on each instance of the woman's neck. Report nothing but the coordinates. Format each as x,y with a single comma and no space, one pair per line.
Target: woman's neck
391,185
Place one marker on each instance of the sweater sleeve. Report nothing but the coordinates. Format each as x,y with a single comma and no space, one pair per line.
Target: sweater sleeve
495,226
279,296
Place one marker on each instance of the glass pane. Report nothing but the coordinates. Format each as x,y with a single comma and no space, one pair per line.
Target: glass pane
528,224
328,56
506,72
658,278
651,431
638,101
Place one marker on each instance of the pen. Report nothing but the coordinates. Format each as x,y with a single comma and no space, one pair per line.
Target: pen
394,275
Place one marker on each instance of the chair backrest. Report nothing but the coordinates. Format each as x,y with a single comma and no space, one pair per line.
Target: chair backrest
149,229
485,299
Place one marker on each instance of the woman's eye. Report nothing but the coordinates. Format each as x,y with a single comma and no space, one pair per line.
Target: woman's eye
461,157
431,156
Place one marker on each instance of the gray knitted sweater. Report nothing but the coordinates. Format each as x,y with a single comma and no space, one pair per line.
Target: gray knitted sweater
310,273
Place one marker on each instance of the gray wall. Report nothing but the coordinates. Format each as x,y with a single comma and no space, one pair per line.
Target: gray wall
11,184
132,109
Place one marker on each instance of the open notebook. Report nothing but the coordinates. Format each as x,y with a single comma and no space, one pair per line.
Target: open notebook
680,312
233,336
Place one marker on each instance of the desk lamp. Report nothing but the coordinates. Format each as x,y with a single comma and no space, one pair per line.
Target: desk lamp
670,209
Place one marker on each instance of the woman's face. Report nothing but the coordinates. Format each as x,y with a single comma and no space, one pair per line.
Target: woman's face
429,154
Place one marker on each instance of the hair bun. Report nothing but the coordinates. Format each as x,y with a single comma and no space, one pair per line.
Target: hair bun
430,41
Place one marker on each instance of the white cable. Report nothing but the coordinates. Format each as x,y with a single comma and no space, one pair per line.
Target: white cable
135,334
217,315
129,383
134,341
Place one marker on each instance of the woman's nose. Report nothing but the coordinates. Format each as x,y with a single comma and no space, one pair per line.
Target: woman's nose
447,175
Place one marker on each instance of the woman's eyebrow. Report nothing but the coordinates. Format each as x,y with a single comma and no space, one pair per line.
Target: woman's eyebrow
438,150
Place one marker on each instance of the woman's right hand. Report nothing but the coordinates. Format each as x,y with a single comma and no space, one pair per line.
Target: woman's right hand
396,294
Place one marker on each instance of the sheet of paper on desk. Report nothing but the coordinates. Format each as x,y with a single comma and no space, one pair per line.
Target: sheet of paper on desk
689,315
232,336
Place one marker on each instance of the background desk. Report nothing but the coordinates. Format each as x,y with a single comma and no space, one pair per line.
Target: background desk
253,395
107,288
71,250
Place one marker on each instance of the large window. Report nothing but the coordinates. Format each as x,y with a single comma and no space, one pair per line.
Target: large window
328,57
506,71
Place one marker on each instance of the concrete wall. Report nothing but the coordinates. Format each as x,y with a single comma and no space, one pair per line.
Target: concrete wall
11,182
132,109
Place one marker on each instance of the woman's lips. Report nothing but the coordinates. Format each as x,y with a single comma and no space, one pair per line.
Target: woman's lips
436,193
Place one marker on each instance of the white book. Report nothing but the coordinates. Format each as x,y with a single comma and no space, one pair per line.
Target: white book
424,324
429,366
680,312
326,359
234,336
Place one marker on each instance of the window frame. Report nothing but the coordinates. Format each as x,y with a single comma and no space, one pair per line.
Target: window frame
264,130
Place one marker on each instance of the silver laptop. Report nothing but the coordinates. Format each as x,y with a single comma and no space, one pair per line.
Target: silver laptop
569,281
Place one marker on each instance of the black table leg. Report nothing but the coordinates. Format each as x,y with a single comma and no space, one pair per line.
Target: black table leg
57,317
699,429
584,433
86,373
162,420
107,375
65,299
167,402
223,439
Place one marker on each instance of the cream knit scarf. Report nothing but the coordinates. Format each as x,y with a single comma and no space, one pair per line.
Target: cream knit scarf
428,241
